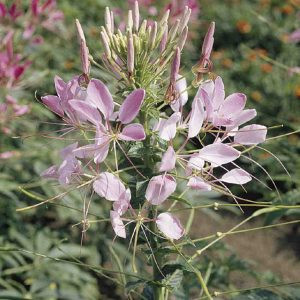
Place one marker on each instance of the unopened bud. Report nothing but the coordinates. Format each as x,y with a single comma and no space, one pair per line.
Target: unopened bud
185,19
173,30
107,17
183,37
130,53
143,28
208,41
175,65
112,19
129,21
163,42
165,17
136,16
105,44
153,34
84,51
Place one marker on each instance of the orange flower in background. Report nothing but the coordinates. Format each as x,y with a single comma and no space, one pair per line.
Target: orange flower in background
69,64
255,53
256,96
287,9
217,54
243,26
227,63
266,68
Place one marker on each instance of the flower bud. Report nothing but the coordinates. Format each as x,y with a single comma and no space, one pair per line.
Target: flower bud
153,34
130,53
183,38
84,51
175,65
108,22
173,30
105,44
129,21
136,16
163,42
185,19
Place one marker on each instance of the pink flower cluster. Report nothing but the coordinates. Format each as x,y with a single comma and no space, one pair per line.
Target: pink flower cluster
12,66
90,108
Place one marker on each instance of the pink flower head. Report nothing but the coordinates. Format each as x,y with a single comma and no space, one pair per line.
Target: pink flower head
70,166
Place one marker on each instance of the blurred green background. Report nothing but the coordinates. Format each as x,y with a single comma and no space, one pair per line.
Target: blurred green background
254,53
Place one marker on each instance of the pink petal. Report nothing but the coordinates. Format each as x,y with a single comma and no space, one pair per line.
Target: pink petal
117,224
196,162
132,132
131,106
160,188
86,111
167,128
204,98
208,87
181,88
109,186
60,86
197,117
236,176
219,93
53,103
99,96
251,135
243,117
168,160
197,183
170,226
233,104
218,154
50,172
68,150
121,206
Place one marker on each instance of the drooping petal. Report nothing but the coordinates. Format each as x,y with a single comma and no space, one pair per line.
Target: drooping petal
132,132
218,154
236,176
170,226
109,186
50,172
53,103
233,104
197,117
131,106
69,167
167,128
207,102
181,88
197,183
117,224
160,188
168,160
251,135
121,206
86,111
99,96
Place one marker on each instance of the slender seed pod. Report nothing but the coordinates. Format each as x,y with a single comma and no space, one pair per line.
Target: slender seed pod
175,65
153,34
105,44
185,19
108,22
173,30
112,19
143,28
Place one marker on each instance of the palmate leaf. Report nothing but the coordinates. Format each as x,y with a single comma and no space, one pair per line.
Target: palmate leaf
174,279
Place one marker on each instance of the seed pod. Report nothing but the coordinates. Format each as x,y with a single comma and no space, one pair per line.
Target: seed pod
112,19
185,19
107,17
143,28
